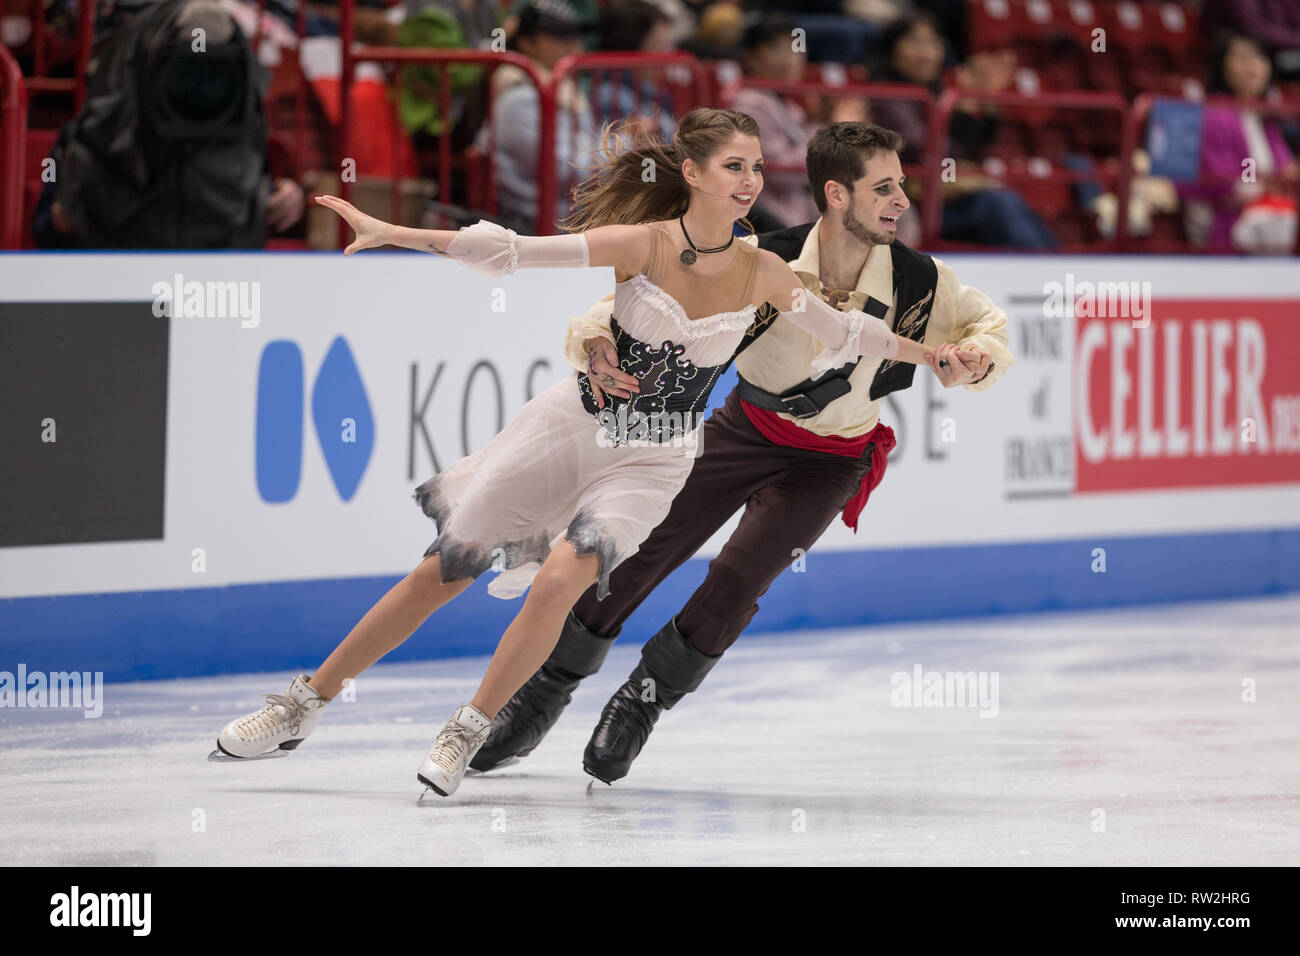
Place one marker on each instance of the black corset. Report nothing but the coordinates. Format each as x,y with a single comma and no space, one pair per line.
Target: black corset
674,392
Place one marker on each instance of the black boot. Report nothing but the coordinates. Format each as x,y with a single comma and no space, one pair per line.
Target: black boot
670,668
524,720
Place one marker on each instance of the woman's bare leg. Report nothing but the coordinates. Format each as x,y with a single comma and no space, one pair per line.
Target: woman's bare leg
534,632
388,624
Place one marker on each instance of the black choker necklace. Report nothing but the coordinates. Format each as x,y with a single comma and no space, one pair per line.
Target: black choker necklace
689,256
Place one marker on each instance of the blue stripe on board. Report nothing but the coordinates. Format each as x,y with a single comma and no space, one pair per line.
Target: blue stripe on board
294,625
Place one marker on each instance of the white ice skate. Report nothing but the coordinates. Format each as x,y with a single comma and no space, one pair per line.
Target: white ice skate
444,766
284,723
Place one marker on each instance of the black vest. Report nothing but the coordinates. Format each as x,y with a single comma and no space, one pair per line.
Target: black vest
915,280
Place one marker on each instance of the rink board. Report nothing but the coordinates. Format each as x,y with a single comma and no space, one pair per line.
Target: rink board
229,488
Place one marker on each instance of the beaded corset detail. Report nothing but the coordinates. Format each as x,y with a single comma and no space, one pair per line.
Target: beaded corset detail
674,392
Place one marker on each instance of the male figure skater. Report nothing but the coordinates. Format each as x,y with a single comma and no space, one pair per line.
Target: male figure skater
792,451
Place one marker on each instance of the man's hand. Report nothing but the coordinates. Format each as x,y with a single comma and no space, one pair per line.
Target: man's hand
603,372
285,205
961,366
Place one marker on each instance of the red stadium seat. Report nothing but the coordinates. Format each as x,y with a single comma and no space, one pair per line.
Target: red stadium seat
1107,72
1011,139
1150,68
1065,69
1167,235
1126,24
990,23
1177,26
1079,18
1052,140
1074,229
1039,17
1043,188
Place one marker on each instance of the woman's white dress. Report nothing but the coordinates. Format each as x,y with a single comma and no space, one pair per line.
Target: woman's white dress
554,473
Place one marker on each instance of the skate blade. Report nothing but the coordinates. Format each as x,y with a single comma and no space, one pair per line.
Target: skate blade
427,787
508,762
218,757
592,782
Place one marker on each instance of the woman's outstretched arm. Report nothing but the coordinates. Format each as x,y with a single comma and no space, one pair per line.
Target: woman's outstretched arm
848,334
496,251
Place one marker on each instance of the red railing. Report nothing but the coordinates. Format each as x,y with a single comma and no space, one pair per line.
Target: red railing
1135,121
604,66
393,56
300,81
938,147
41,40
13,147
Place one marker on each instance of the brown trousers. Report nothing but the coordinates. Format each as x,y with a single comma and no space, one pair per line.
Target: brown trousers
790,497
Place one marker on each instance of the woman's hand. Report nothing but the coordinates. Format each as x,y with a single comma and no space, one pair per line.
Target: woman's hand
370,232
603,373
961,366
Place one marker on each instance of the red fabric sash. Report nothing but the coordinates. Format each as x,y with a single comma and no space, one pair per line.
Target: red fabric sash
781,432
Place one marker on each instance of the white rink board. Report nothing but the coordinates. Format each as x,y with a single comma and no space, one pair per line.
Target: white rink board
397,311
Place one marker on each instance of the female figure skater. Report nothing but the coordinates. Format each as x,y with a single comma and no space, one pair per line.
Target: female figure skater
567,491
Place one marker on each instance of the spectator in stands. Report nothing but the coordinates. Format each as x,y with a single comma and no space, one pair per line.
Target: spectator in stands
1213,207
640,97
169,150
548,31
718,32
1274,24
444,24
587,11
770,54
975,208
477,18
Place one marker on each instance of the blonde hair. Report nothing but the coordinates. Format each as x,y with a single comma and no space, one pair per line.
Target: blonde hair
617,193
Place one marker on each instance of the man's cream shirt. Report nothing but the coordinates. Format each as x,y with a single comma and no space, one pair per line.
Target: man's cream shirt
780,357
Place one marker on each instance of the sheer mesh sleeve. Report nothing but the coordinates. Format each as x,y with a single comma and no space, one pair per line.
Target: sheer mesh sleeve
496,251
848,334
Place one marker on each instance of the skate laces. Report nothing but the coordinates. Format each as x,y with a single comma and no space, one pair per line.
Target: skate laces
452,746
265,722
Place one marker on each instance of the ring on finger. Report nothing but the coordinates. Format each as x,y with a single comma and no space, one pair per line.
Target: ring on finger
607,381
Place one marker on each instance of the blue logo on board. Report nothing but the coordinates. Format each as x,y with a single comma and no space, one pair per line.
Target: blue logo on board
345,427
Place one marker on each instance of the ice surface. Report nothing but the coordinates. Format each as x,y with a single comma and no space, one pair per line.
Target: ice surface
791,753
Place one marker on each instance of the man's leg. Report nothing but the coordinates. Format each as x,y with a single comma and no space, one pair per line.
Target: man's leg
789,513
723,478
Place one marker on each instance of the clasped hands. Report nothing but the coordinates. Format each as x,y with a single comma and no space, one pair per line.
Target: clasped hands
957,366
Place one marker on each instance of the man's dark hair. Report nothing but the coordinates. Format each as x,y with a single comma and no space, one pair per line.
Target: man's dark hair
623,25
840,152
766,29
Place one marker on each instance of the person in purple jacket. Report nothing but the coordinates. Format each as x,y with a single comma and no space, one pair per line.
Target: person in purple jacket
1228,185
